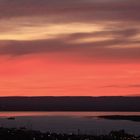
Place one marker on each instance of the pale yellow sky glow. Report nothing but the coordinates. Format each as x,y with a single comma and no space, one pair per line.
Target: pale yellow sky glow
45,31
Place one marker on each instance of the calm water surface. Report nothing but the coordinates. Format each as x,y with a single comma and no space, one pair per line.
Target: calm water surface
70,122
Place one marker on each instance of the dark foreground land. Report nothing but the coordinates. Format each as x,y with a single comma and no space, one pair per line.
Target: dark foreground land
24,134
70,103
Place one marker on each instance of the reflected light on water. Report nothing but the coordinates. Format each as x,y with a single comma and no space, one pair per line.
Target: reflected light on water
78,114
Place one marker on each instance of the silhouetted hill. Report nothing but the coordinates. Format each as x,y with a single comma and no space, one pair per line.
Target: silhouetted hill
70,103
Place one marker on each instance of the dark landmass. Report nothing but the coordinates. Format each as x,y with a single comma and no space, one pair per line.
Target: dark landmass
70,103
135,118
24,134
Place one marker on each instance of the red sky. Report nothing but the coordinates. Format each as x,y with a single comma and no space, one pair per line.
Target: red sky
69,48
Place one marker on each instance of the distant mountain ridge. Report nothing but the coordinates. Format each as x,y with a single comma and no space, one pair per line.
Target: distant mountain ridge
64,103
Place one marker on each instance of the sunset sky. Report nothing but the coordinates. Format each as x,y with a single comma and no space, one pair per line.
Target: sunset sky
69,47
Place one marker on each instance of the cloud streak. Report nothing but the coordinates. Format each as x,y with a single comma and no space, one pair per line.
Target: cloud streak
76,10
91,50
123,86
28,31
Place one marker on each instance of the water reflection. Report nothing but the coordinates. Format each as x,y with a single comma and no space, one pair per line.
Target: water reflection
68,122
78,114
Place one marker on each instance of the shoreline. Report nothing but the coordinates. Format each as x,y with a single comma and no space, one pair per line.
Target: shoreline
135,118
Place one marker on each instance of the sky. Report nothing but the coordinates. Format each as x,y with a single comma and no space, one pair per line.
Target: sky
69,48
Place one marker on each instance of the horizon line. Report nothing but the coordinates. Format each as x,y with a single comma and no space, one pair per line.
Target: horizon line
68,96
